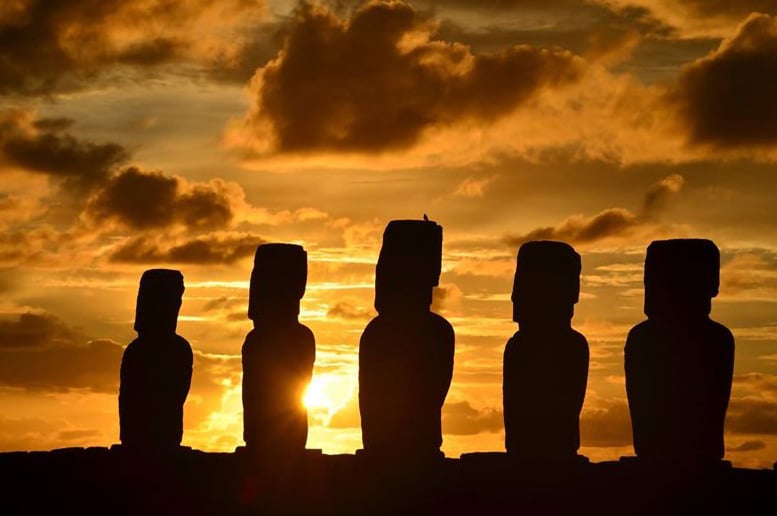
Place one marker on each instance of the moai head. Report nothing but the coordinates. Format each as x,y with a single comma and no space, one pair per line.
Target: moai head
681,277
159,300
547,282
409,265
277,282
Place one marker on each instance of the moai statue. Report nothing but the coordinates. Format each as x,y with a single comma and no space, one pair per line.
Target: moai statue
406,352
546,361
156,369
278,354
679,363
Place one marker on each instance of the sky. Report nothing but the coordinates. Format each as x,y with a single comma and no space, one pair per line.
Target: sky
137,134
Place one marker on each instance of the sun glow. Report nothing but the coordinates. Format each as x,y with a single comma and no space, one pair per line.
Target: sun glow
326,395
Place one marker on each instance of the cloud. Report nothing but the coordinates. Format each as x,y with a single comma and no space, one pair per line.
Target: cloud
445,296
747,446
347,416
460,418
750,275
39,352
609,223
43,146
31,331
697,18
46,47
379,81
349,311
214,248
145,200
25,245
607,426
752,416
472,188
727,99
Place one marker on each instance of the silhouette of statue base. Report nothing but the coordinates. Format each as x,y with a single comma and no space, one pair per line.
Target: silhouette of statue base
102,481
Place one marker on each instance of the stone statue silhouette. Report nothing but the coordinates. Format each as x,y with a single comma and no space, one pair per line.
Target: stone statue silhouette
406,352
278,354
546,361
679,363
156,369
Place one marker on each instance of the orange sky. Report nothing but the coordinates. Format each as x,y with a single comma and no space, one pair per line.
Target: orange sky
154,133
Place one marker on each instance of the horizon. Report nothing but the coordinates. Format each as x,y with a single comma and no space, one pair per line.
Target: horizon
146,134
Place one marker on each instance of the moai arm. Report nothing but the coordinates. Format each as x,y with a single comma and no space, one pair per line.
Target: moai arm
508,392
307,359
187,367
448,347
637,391
579,373
726,372
366,381
127,393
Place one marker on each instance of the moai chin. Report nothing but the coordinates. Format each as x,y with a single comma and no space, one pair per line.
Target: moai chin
278,354
546,361
156,369
679,363
406,352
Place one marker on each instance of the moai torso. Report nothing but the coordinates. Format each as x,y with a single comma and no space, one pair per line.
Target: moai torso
546,362
406,352
278,354
156,368
679,363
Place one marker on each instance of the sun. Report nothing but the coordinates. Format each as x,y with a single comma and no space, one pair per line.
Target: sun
316,395
327,393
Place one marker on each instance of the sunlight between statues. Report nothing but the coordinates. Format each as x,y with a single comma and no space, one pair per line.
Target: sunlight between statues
678,362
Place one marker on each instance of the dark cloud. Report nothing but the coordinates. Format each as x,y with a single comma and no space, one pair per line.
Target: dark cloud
53,46
210,249
752,416
612,222
349,311
145,200
31,331
27,245
606,426
747,446
733,9
376,82
460,418
42,353
224,303
42,146
727,98
444,296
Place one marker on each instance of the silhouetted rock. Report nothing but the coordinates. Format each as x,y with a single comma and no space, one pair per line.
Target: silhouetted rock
278,354
156,369
546,361
406,352
679,363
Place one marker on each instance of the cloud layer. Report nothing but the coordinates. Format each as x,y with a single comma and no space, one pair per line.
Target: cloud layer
378,81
